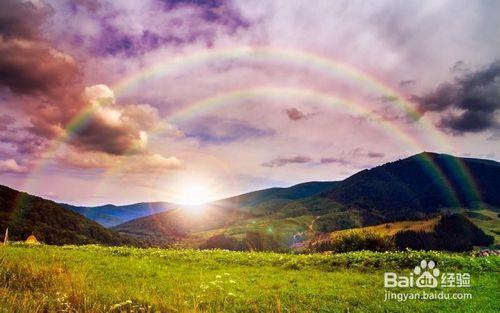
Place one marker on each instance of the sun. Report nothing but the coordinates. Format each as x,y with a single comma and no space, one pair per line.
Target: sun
194,193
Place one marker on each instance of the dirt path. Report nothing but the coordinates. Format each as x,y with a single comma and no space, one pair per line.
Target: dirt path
310,228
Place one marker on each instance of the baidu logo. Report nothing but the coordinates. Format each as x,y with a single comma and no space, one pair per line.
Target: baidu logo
426,275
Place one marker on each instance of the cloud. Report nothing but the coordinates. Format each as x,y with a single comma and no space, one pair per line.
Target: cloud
352,156
11,166
217,130
46,79
388,98
459,66
405,83
469,104
134,164
361,152
90,5
28,63
34,68
375,155
155,24
295,114
22,19
5,121
334,160
22,141
279,162
117,129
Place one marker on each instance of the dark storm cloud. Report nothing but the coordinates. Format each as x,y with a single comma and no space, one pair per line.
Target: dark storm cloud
28,64
97,136
473,99
282,161
20,19
216,130
34,68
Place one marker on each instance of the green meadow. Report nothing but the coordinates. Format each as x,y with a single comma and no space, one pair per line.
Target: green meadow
41,278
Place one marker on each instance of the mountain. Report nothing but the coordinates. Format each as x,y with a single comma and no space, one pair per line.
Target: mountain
177,224
50,222
421,186
412,187
111,215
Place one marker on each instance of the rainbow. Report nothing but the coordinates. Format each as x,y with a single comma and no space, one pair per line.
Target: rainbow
274,54
237,96
309,60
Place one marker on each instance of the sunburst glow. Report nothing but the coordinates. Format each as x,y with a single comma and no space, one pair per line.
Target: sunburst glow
194,193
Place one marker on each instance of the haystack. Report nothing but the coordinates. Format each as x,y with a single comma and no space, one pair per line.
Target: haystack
32,239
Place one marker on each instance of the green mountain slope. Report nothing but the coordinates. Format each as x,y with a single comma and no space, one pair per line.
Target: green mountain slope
412,188
51,223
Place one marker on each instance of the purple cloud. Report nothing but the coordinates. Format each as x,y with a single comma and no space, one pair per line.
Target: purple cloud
279,162
295,114
5,121
475,95
215,130
334,160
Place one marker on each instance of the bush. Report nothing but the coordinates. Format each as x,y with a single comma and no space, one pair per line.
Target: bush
356,241
223,242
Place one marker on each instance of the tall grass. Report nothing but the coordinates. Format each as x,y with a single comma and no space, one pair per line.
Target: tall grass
120,279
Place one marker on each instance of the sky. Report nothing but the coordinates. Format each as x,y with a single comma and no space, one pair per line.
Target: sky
156,100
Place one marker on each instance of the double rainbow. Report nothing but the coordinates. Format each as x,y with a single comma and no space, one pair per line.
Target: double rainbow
297,58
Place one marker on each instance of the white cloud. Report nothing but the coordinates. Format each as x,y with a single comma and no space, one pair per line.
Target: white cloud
132,164
11,166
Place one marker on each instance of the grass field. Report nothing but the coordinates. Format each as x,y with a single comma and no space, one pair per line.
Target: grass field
391,229
281,230
489,222
102,279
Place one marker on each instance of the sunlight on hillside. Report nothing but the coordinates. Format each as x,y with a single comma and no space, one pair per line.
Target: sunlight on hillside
193,194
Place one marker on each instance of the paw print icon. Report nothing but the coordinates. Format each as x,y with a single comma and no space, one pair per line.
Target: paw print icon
428,274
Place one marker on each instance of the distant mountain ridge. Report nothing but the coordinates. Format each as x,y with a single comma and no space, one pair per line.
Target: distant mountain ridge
111,215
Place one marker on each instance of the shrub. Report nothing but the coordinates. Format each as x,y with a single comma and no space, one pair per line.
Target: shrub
223,242
356,241
337,221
